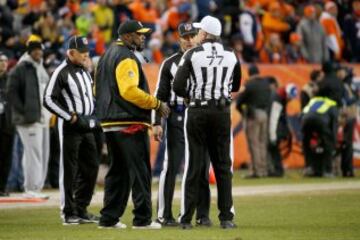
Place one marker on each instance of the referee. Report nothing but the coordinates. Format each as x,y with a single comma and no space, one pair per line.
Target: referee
175,144
69,96
214,72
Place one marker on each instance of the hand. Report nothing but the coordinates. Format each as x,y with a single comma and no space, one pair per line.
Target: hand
164,110
87,124
73,119
157,133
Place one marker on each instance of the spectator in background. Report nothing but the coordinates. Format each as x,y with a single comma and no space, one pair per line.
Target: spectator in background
273,51
237,44
310,89
332,29
156,56
121,13
6,127
174,16
207,7
253,103
313,46
84,20
251,32
293,51
7,43
272,21
351,33
145,12
27,83
279,128
47,28
104,19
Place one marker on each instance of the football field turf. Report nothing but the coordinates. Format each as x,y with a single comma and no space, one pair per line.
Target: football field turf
332,214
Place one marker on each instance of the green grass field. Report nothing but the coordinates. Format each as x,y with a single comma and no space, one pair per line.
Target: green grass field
325,215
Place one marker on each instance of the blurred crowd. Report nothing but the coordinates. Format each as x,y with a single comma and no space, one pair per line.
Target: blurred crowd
277,31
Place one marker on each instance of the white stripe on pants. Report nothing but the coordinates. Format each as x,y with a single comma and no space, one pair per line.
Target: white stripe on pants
35,139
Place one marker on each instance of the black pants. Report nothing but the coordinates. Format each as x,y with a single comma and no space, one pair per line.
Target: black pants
207,129
54,157
347,150
174,154
277,168
315,128
129,170
78,169
6,143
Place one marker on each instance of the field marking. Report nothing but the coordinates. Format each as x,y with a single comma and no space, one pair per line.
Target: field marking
277,189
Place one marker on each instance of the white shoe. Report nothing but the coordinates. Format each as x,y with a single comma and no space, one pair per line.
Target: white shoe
152,225
33,194
119,225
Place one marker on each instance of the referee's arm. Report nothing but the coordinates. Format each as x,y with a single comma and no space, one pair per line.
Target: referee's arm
127,78
236,78
52,94
182,75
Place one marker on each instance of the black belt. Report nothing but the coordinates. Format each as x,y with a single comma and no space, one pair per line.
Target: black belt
177,107
222,102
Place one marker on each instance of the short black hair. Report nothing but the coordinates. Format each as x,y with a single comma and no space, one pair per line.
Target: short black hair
253,70
314,74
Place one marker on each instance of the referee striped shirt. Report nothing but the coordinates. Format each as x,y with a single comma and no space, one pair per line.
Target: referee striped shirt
213,72
69,91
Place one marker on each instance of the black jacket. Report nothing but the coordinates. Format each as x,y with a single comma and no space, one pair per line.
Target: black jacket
332,87
23,90
112,107
5,113
257,95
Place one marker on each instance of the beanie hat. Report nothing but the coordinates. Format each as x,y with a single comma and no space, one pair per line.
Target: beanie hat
32,45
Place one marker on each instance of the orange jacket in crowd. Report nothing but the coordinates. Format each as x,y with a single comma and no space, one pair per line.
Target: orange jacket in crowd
272,21
142,14
333,34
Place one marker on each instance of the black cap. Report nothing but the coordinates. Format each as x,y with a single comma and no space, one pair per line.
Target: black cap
132,26
79,43
186,29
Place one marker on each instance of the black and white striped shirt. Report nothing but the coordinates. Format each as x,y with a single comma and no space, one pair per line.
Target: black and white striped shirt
214,72
69,91
164,88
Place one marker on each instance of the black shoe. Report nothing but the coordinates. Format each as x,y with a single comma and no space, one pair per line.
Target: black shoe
186,226
167,222
89,218
227,224
72,220
4,194
204,222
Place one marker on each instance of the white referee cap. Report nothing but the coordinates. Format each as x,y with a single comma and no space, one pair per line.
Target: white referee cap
210,25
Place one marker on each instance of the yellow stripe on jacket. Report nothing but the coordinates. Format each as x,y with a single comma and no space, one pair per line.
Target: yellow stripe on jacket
127,78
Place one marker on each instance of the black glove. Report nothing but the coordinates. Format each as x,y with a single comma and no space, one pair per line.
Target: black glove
87,123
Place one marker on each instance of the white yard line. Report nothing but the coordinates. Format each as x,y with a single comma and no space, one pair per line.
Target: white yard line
237,191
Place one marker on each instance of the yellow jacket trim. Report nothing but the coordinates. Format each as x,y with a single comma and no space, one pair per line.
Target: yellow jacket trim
127,78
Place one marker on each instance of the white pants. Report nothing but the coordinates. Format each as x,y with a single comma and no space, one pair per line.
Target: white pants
36,141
